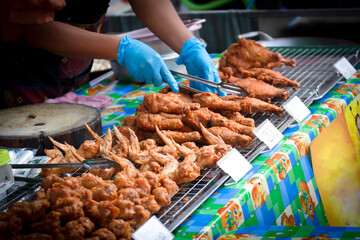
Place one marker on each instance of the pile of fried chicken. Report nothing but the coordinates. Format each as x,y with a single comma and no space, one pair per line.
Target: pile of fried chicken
108,203
169,140
249,64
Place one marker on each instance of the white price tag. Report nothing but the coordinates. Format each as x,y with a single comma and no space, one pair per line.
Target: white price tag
234,164
268,133
153,229
297,109
345,68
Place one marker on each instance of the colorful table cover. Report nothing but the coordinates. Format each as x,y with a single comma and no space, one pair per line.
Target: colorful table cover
279,191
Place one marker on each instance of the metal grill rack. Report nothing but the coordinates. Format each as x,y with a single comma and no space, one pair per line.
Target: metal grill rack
315,73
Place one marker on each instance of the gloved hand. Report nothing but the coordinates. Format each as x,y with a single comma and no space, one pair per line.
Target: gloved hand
144,63
199,64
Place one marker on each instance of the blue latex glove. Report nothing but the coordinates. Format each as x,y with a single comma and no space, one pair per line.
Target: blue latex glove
199,64
144,63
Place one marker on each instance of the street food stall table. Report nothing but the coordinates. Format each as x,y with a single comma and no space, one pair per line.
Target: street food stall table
278,198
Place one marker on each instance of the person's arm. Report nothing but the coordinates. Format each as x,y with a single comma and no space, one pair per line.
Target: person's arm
67,40
162,19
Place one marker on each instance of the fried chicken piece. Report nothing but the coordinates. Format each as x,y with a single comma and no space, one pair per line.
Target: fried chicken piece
126,165
214,102
75,229
30,211
90,181
101,213
49,223
254,105
122,180
140,217
152,166
104,173
141,108
105,144
212,119
170,185
168,161
168,103
150,204
246,54
107,192
152,178
185,171
148,121
89,149
128,194
230,137
126,208
261,90
191,145
209,155
103,234
162,196
237,117
61,191
142,186
269,76
71,208
121,147
129,121
70,157
10,224
121,229
135,153
212,139
50,180
147,144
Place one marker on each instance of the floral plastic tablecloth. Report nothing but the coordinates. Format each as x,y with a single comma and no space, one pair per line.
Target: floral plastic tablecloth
279,191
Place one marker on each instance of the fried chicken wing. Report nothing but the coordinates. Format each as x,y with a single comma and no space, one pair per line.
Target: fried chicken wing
246,54
209,155
167,103
254,105
230,137
269,76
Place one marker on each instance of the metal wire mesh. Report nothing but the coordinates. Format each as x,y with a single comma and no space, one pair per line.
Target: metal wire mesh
316,75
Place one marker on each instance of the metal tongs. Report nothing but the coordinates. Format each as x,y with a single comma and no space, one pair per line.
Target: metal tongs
222,86
87,164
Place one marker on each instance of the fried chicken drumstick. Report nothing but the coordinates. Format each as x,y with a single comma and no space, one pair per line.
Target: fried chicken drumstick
246,54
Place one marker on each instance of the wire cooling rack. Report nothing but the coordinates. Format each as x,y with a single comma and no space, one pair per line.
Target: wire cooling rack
316,75
315,72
